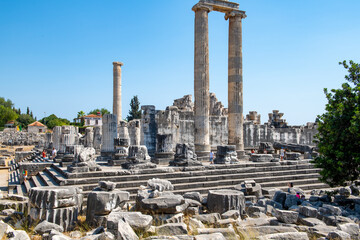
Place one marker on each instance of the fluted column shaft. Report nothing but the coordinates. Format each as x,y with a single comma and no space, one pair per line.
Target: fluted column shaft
235,81
117,90
201,80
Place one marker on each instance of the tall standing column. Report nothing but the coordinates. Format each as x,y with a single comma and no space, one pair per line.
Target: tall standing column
235,82
201,81
117,90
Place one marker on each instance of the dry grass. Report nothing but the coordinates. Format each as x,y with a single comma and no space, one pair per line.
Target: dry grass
82,225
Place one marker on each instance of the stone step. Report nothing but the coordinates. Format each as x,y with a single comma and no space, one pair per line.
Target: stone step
162,170
204,192
47,179
56,175
20,189
172,175
37,181
203,187
216,179
27,187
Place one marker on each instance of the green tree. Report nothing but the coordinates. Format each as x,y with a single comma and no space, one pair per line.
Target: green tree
6,114
52,121
27,110
339,135
102,111
6,103
80,114
134,112
24,120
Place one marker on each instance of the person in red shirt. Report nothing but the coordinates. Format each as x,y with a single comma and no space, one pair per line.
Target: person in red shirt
43,154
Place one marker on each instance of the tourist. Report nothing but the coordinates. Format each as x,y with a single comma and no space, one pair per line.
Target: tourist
252,151
53,154
290,186
43,154
282,154
211,157
298,195
25,175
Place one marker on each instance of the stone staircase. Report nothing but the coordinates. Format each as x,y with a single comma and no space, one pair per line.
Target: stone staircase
201,179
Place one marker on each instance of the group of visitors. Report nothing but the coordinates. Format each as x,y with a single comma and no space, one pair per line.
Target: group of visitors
53,154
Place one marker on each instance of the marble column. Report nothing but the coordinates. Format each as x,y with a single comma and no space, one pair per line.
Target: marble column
109,133
117,90
201,80
235,82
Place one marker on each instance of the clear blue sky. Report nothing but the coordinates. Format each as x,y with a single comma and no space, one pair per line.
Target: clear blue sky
56,56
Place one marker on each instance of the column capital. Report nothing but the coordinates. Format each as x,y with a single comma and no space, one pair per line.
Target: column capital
202,6
118,64
238,13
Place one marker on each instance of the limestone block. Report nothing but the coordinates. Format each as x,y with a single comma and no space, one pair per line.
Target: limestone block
208,218
50,197
261,158
351,228
171,229
308,211
211,236
310,221
287,236
291,200
162,204
338,235
102,203
160,185
137,220
107,185
64,216
228,233
86,154
221,201
194,196
193,203
254,211
195,224
280,197
46,226
329,209
264,230
286,216
120,228
177,218
234,214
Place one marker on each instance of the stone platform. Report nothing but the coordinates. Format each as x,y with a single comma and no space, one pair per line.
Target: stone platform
185,179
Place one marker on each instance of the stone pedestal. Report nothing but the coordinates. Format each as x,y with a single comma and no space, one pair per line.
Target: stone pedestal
226,155
235,82
138,158
121,152
164,149
117,90
109,133
134,132
185,156
201,80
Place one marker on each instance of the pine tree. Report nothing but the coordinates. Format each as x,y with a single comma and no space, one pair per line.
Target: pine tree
134,112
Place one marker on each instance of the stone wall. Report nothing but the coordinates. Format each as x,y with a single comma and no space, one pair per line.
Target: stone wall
21,138
254,134
178,120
